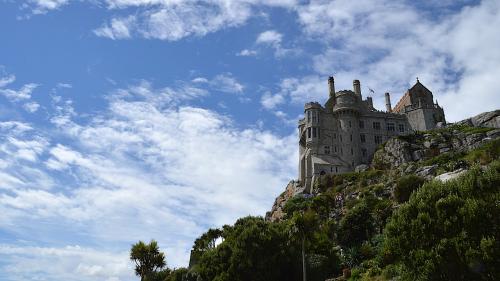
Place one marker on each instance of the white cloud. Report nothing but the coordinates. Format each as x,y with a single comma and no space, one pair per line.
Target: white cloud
146,166
306,89
225,83
271,37
31,107
64,263
247,53
118,28
43,6
387,44
270,101
6,80
22,94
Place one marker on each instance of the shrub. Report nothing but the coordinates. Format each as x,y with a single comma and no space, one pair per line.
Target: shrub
405,186
450,231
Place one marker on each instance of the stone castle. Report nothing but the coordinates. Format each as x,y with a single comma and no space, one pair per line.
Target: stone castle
346,131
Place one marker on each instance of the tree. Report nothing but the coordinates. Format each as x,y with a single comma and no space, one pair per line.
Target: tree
147,258
356,226
304,223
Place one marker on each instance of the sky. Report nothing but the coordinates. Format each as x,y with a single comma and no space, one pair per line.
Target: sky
127,120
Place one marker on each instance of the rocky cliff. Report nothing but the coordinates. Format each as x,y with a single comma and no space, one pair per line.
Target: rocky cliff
441,154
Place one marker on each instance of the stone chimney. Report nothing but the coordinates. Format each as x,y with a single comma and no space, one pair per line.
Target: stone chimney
370,102
357,88
331,86
388,102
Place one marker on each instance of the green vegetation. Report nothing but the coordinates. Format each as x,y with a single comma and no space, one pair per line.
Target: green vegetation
405,186
449,231
371,225
148,259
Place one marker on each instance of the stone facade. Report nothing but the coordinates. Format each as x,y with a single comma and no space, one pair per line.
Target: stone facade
346,131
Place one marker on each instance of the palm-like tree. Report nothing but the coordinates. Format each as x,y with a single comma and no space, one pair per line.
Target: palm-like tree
304,223
147,258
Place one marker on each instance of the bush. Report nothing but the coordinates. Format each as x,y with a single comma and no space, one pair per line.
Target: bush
449,231
405,186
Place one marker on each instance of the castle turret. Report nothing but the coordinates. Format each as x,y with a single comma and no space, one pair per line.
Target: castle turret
388,102
331,86
357,88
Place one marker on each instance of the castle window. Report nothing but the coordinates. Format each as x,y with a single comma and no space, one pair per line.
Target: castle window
314,132
308,133
391,127
361,124
378,139
351,138
362,137
376,125
308,116
315,117
363,152
352,151
350,124
327,150
335,149
336,169
335,135
401,128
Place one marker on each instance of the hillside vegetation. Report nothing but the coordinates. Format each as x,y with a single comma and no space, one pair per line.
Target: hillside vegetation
386,223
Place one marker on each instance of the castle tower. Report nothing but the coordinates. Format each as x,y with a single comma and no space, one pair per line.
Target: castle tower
357,88
346,112
388,102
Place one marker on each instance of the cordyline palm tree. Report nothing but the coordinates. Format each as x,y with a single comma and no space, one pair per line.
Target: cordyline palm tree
147,258
304,223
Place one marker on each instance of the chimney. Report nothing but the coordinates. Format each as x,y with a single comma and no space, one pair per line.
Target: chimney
357,88
370,102
388,102
331,86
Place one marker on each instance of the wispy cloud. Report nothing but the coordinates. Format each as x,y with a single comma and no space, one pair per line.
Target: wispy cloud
146,166
18,95
44,6
225,83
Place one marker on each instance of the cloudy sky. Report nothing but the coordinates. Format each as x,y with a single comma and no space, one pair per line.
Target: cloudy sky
123,120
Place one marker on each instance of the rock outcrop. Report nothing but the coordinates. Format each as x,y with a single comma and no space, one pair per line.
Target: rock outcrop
402,150
489,119
276,212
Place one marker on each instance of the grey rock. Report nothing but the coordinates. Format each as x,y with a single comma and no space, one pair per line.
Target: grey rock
361,168
444,149
493,133
489,119
451,175
427,172
418,154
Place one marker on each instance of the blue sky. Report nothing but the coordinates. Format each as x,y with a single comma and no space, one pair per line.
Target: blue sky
123,120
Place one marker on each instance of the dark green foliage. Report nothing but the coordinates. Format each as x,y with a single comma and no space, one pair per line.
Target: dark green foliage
444,159
405,186
253,250
296,204
466,129
147,259
449,231
485,154
178,274
356,226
